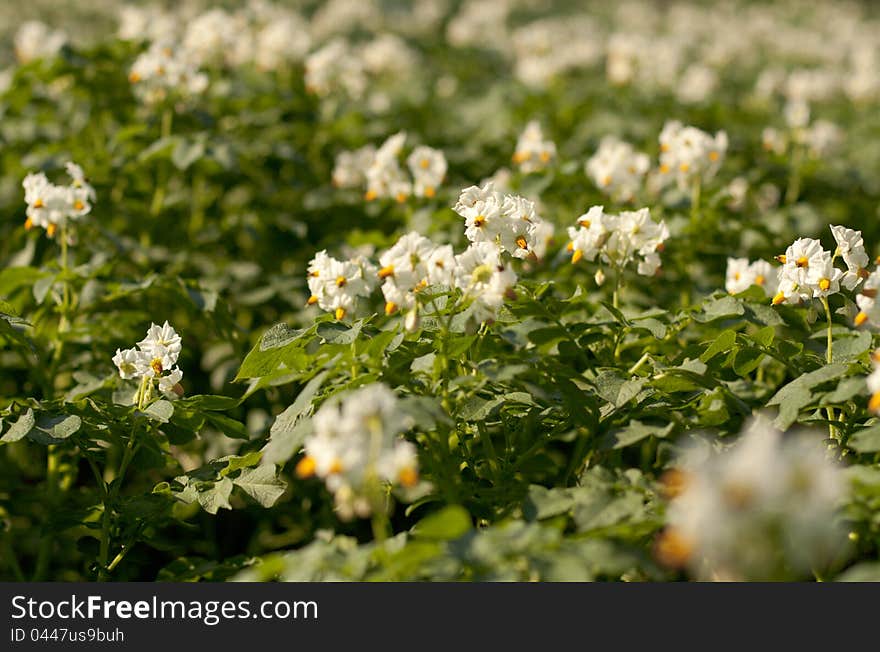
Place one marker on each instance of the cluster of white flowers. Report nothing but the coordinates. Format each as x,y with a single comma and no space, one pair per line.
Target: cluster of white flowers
355,447
742,274
618,240
380,170
166,69
261,33
533,152
733,513
687,153
36,40
336,285
819,138
808,270
406,269
548,47
617,168
153,360
50,206
497,225
507,221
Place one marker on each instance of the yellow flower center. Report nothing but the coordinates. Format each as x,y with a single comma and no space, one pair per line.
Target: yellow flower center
803,261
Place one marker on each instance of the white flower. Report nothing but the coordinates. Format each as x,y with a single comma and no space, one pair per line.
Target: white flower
385,178
50,206
483,277
507,221
533,152
687,153
351,168
617,169
355,441
36,40
168,385
163,345
763,509
869,308
851,248
336,285
404,270
130,363
741,275
428,168
154,359
335,67
619,240
166,69
441,266
697,83
873,383
806,272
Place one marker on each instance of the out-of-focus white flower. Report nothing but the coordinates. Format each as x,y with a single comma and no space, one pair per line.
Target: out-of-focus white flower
764,509
351,167
282,39
147,23
741,275
36,40
873,382
797,114
51,206
697,83
428,168
687,153
388,53
165,69
355,447
617,168
533,152
866,300
774,141
333,67
737,191
822,138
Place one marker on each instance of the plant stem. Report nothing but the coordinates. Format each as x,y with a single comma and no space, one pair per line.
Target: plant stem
695,201
794,177
638,365
111,493
161,175
615,295
832,431
12,560
45,548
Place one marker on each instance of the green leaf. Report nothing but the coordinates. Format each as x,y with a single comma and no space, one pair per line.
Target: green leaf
845,349
449,523
633,433
160,411
723,308
543,503
799,393
866,440
20,428
54,430
217,496
261,484
287,433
